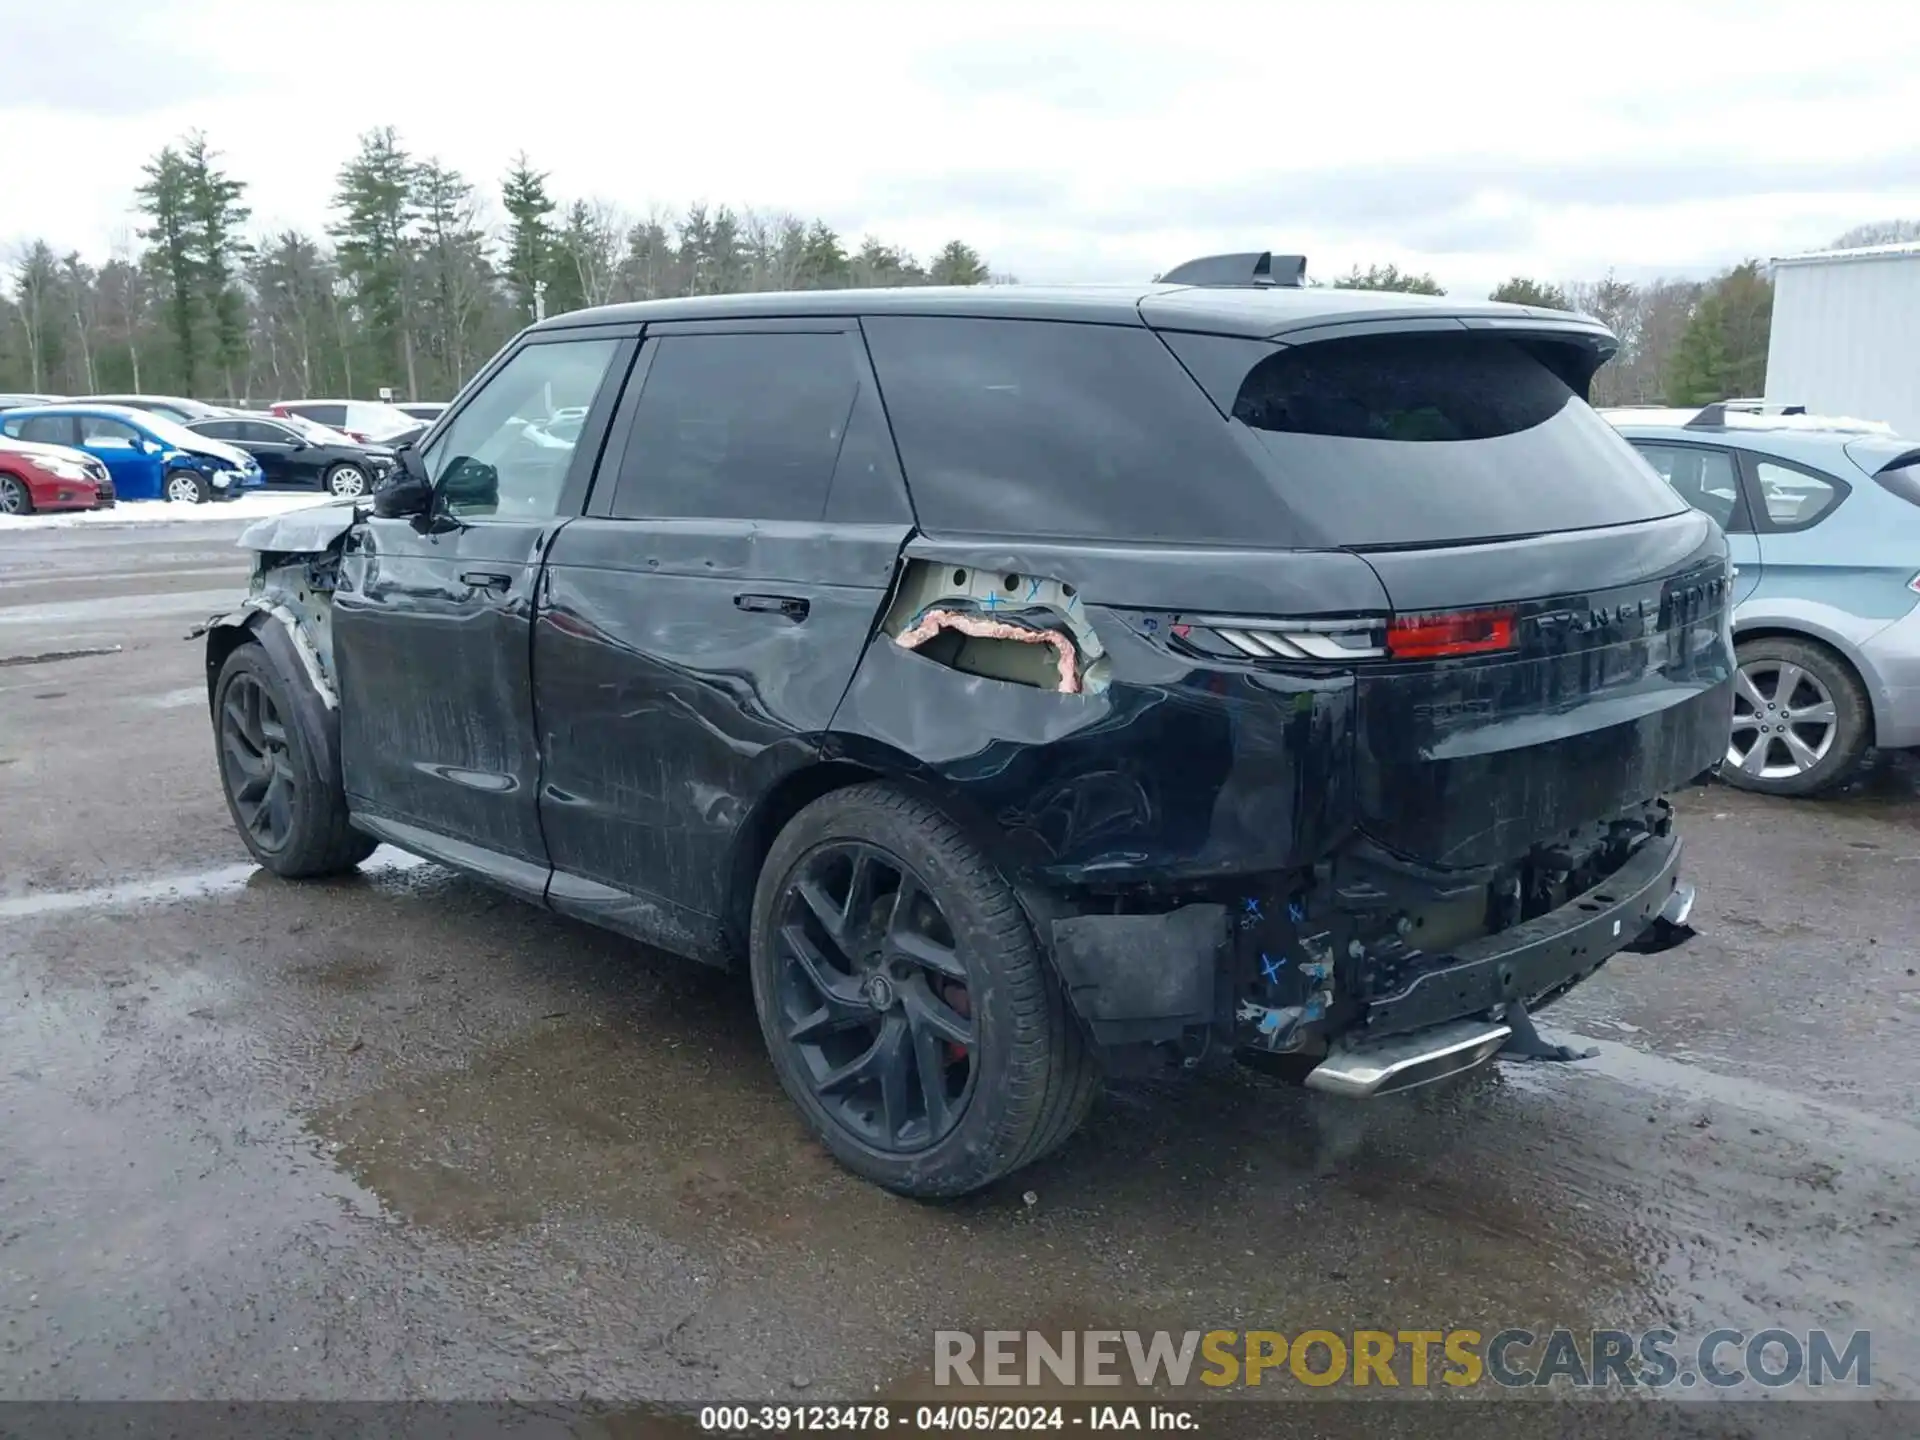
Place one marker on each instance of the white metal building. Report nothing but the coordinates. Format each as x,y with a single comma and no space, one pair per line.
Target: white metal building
1846,334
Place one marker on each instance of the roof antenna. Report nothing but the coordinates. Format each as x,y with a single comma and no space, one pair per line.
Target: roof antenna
1254,268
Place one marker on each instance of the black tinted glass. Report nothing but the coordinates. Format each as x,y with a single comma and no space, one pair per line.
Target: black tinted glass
1043,428
1434,438
738,427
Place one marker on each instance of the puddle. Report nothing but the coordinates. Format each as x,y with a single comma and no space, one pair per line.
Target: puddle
168,889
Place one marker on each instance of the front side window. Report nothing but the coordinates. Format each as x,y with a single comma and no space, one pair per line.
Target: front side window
502,457
1705,479
738,427
1793,498
97,428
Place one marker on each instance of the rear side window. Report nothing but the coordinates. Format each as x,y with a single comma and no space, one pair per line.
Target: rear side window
1706,479
1794,498
1428,438
325,414
738,426
1054,429
43,429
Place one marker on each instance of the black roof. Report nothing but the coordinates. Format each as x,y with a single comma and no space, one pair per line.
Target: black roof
1237,310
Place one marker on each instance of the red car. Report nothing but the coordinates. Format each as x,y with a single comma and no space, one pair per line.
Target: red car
50,477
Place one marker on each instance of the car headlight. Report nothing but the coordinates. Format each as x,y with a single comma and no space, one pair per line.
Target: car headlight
68,469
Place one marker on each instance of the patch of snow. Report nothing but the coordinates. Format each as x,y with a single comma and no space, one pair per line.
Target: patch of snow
259,505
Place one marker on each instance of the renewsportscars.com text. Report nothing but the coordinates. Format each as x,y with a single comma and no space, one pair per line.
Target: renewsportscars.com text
1512,1358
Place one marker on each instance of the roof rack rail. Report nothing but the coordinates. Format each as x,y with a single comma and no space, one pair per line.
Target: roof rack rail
1714,416
1261,267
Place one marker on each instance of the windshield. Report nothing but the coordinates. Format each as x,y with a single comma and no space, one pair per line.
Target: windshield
176,434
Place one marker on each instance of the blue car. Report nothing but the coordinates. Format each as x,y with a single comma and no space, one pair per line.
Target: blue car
1822,517
149,456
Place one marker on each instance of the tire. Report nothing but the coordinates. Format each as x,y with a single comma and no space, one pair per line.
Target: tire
1030,1076
15,498
1772,753
306,833
186,485
345,480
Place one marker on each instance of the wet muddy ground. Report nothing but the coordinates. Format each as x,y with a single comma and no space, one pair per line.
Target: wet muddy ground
397,1136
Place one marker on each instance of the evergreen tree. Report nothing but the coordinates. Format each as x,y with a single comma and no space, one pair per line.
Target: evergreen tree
219,252
524,196
1388,277
166,199
958,264
1522,291
374,200
1723,352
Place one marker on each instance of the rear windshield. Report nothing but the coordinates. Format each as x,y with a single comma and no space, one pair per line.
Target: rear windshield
1426,438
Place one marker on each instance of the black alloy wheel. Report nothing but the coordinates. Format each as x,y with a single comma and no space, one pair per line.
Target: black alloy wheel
260,774
872,996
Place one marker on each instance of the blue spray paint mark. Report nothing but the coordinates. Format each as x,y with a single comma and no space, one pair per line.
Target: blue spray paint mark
1252,906
1033,590
1315,1009
1296,912
992,601
1271,968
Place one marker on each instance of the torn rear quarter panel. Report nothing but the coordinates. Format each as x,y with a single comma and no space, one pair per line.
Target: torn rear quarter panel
1167,769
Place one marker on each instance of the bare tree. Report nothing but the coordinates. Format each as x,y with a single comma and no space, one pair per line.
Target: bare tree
1878,232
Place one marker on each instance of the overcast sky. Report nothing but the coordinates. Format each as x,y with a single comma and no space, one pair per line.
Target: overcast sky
1066,141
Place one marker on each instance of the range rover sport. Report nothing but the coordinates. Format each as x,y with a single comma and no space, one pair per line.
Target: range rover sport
1021,683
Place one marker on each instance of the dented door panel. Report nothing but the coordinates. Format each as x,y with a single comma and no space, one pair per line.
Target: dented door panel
430,634
681,667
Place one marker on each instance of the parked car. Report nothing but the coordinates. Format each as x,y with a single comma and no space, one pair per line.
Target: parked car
425,411
149,456
18,402
295,451
371,422
1820,515
171,407
1163,671
50,477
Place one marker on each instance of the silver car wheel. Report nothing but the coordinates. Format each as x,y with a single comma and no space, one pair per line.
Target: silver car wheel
1784,721
347,480
183,488
13,497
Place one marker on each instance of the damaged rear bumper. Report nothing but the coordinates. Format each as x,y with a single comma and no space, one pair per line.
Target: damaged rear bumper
1296,972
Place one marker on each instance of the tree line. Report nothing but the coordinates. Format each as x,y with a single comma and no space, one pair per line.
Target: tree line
418,278
415,281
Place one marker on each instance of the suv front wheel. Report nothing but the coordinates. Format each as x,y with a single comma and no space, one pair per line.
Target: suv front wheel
908,1010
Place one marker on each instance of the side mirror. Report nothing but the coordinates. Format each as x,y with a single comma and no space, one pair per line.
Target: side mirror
407,491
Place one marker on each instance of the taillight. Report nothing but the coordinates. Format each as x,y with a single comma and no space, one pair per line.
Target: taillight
1449,633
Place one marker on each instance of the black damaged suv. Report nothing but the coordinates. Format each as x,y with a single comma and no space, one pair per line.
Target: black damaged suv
1022,682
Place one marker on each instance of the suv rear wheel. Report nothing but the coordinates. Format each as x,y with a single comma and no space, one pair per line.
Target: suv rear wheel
909,1013
1801,720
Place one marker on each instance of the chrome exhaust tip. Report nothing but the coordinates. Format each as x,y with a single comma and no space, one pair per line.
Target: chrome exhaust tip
1401,1062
